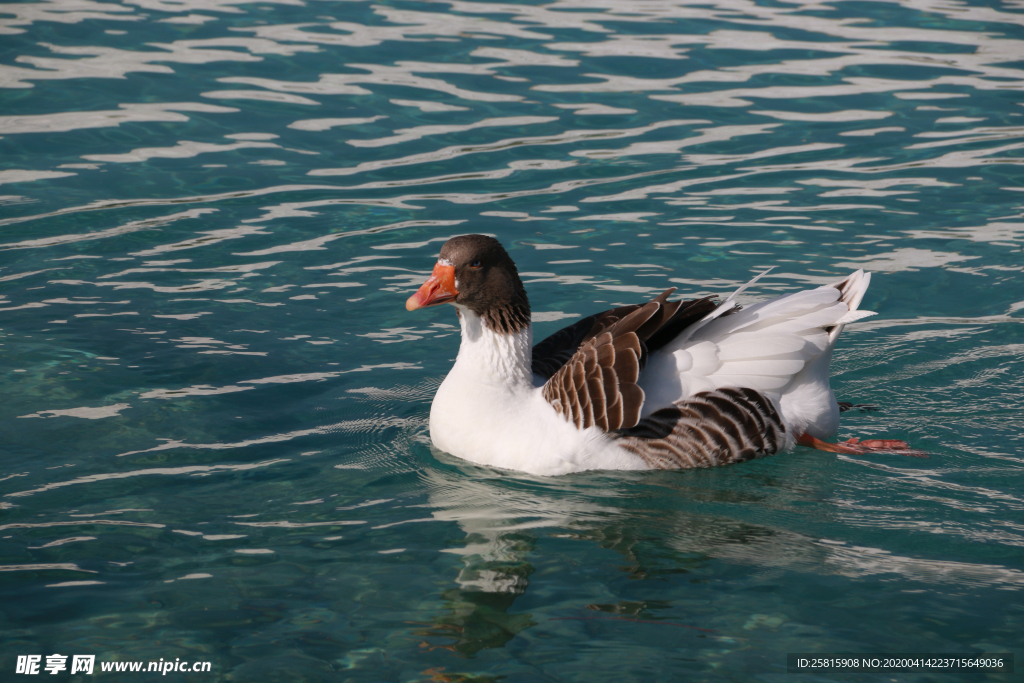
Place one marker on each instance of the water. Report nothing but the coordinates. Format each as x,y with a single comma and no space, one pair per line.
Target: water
214,418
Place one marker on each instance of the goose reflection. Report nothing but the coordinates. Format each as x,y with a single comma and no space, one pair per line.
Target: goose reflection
504,515
769,516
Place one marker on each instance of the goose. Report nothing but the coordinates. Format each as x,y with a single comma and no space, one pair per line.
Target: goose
659,385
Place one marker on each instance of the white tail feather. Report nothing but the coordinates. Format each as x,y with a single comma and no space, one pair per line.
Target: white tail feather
724,308
781,348
852,289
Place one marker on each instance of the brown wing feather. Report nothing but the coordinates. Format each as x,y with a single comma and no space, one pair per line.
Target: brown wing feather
672,318
592,366
555,351
597,386
710,428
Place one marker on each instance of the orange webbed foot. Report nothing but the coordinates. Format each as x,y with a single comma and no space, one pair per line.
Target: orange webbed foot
855,446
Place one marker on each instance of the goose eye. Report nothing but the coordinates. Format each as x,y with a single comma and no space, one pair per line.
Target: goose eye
475,264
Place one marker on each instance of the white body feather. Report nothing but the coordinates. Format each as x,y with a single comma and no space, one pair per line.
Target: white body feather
488,411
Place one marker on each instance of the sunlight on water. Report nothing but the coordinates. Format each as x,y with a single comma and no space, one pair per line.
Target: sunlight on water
216,443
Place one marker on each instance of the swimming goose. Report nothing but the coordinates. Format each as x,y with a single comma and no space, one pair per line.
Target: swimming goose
660,385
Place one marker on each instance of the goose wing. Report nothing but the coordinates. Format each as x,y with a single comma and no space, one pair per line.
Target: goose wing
597,383
555,351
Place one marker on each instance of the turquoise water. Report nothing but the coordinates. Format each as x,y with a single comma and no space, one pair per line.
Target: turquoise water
215,444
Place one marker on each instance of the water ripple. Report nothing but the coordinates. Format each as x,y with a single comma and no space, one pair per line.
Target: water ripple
161,170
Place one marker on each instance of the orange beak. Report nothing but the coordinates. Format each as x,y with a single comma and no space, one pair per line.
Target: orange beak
439,289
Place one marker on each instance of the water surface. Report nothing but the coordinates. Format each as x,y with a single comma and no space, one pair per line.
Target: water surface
215,444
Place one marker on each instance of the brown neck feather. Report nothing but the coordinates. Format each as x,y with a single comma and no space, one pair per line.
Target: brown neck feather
511,317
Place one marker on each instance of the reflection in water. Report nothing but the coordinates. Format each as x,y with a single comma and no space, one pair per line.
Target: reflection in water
671,532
